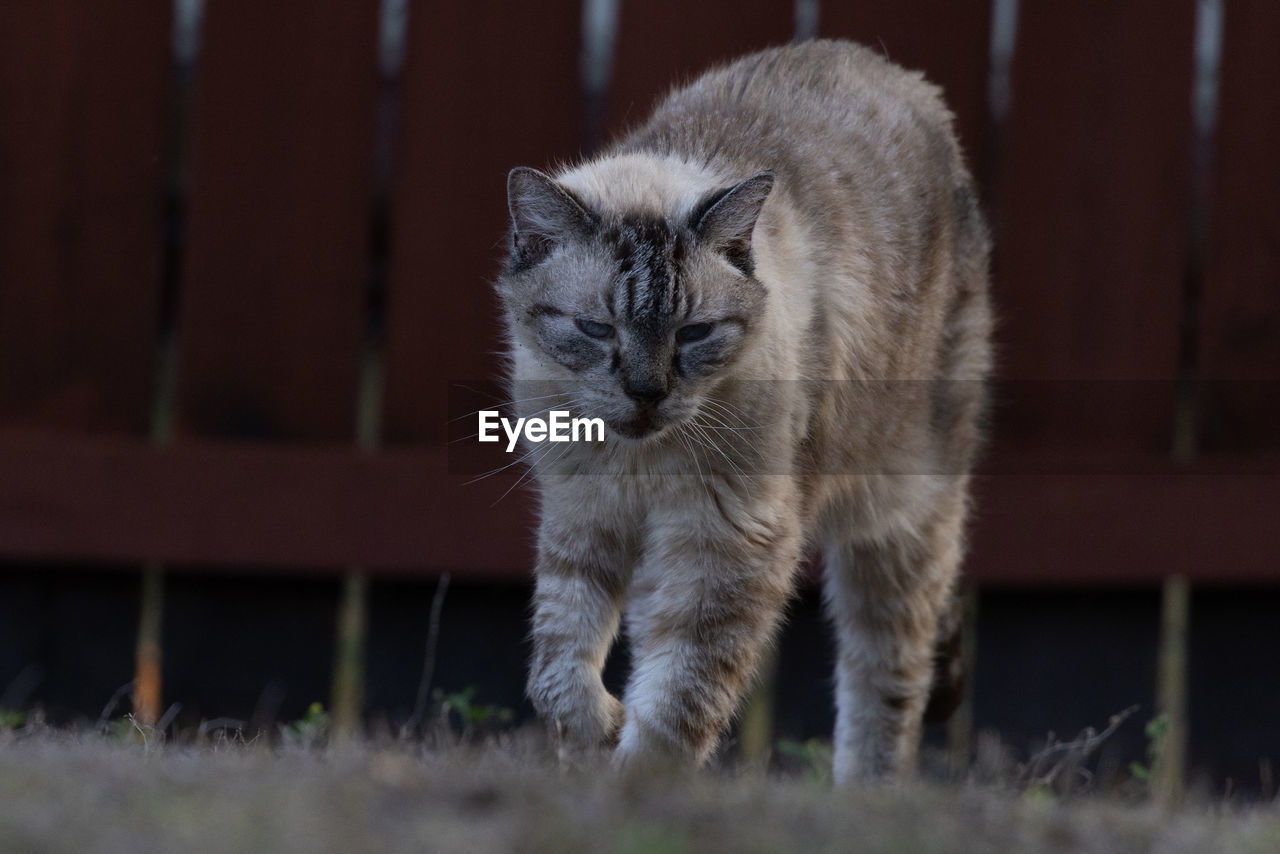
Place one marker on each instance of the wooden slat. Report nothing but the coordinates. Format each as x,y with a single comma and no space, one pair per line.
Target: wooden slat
486,87
276,264
947,39
1240,325
1089,261
1072,530
252,507
663,43
83,93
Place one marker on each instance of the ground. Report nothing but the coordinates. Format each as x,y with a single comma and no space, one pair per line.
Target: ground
99,794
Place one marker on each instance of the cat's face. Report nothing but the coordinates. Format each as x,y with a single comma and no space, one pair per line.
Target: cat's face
636,317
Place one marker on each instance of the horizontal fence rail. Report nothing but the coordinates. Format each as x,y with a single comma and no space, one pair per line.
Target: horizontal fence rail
234,294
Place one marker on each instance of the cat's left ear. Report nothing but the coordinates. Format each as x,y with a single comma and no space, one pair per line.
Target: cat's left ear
543,214
726,219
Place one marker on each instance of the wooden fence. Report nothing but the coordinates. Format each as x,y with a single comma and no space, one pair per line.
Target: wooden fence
226,341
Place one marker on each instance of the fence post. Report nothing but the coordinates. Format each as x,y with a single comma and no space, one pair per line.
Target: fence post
755,733
147,680
1169,771
347,700
349,647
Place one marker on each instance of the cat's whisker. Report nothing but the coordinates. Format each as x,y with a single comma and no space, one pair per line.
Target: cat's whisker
532,467
703,440
684,439
726,421
737,469
514,462
744,440
722,424
729,411
501,469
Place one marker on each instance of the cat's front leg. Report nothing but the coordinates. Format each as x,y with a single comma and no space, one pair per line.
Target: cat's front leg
576,611
703,609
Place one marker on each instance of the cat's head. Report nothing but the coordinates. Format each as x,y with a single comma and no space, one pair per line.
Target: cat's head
636,315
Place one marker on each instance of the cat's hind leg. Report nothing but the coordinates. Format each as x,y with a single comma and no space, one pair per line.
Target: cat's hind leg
884,599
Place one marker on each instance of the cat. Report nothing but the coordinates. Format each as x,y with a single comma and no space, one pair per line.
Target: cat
774,292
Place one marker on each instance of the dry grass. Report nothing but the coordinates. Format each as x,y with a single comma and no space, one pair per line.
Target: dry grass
93,793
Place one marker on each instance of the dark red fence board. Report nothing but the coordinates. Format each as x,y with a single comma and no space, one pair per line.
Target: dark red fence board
1125,529
1240,320
306,508
1096,183
947,39
247,506
664,43
277,243
83,94
486,87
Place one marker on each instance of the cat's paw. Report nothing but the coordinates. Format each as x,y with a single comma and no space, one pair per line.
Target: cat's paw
581,718
597,725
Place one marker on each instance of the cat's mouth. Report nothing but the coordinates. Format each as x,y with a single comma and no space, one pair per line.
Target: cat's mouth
645,422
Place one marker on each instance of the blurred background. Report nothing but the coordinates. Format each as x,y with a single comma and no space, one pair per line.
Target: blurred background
244,258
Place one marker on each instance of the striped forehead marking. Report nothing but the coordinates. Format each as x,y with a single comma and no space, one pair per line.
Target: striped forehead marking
648,253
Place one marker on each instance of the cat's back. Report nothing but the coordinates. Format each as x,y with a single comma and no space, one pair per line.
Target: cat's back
803,109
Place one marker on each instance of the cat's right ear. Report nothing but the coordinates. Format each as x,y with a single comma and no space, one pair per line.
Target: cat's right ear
544,214
726,219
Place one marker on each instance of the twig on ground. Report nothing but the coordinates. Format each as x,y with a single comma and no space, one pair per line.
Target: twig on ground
412,727
126,688
162,725
1058,761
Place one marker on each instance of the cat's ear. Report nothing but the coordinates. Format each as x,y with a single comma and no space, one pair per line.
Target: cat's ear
725,219
543,215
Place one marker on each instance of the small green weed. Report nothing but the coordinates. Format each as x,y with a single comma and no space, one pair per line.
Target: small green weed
460,708
1156,730
309,730
813,755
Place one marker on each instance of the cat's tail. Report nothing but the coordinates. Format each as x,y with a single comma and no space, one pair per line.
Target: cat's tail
947,690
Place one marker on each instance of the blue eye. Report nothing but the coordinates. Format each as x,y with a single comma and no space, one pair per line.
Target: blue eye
692,332
592,329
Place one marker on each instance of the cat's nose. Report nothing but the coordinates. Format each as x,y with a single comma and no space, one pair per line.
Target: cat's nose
645,393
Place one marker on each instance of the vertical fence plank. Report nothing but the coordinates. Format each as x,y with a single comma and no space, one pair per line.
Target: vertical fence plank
663,43
486,87
1240,326
149,649
1096,187
947,39
83,94
351,638
277,246
1168,774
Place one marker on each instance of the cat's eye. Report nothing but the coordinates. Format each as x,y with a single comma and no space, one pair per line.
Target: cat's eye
692,332
594,329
